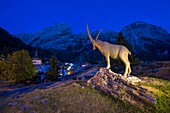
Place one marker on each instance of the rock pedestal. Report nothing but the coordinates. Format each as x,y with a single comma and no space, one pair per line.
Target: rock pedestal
121,87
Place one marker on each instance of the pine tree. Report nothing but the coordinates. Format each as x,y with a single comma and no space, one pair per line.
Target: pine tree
54,70
121,41
118,65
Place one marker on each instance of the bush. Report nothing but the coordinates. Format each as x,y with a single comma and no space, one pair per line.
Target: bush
18,67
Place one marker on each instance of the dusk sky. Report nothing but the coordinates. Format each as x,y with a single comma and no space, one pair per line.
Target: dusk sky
34,15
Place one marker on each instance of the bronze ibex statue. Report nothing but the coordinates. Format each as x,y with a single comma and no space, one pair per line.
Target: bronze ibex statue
111,51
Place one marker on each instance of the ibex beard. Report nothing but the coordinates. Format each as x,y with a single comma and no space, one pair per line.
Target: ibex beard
111,51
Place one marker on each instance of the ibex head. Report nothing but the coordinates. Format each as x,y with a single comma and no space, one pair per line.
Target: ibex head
90,37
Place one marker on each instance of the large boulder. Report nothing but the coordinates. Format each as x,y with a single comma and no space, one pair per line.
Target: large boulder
149,42
115,84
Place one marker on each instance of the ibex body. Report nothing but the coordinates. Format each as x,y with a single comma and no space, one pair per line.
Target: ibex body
112,51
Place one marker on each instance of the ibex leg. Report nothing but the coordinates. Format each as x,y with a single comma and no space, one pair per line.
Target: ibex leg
128,63
126,66
107,61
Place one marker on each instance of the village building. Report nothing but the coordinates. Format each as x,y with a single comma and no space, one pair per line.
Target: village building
41,68
36,60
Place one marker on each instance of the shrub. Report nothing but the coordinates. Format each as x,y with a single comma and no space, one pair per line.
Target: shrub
17,68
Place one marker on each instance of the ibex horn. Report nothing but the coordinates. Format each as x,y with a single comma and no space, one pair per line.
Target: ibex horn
98,34
90,37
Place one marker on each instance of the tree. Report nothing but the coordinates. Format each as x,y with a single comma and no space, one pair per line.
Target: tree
54,70
121,41
18,67
118,65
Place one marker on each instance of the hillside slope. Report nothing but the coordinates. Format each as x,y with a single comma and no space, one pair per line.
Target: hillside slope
9,43
77,97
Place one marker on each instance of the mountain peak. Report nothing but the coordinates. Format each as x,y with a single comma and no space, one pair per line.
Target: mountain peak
140,22
148,40
141,25
57,28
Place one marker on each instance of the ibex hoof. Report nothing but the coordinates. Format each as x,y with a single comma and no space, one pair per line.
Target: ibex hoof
108,67
125,76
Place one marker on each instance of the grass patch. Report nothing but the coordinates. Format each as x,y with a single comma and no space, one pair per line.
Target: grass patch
73,98
161,89
77,98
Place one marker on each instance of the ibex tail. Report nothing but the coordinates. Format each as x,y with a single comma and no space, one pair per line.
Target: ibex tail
129,53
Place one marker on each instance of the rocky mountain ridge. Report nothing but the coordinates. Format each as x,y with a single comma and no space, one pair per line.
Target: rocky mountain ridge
149,42
10,43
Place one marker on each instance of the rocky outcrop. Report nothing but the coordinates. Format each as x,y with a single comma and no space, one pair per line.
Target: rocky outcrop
117,85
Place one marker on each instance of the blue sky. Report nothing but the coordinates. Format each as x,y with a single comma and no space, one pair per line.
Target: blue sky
33,15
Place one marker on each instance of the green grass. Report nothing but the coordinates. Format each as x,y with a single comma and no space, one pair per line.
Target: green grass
75,98
161,89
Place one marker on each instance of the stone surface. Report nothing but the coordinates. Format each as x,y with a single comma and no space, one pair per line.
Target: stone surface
36,97
16,97
12,103
44,101
133,79
24,107
117,85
